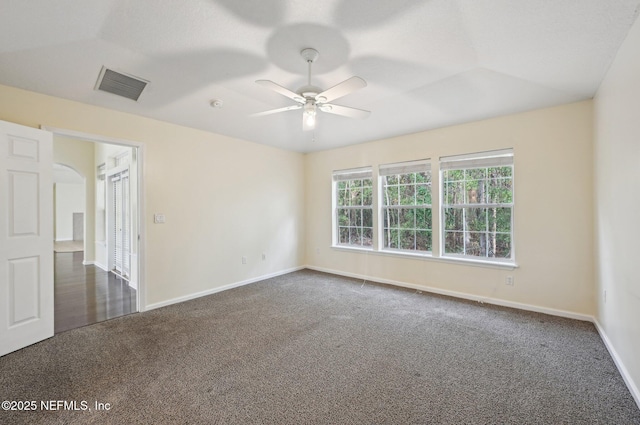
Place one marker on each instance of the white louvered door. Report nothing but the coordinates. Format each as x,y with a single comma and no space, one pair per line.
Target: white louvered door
121,228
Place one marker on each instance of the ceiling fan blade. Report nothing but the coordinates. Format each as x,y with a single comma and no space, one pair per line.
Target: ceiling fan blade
345,111
282,90
341,89
275,111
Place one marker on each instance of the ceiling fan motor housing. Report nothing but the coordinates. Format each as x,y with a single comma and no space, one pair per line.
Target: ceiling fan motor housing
309,92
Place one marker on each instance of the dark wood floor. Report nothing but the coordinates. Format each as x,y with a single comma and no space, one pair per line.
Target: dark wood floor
87,294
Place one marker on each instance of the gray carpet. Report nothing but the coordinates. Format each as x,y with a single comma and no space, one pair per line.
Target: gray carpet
313,348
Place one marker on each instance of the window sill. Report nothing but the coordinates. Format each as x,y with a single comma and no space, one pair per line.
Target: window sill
479,263
429,257
405,254
352,248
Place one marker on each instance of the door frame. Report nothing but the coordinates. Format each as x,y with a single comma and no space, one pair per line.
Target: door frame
140,159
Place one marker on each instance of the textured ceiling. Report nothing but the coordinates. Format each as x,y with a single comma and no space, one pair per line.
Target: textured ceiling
428,63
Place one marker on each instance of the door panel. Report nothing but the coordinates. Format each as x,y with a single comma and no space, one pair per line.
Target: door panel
24,290
23,204
26,236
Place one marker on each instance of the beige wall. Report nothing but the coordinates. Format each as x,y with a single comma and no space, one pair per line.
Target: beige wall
553,209
69,199
216,212
617,166
223,198
79,156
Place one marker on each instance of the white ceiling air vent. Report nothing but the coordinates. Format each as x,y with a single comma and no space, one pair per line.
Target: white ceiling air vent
120,84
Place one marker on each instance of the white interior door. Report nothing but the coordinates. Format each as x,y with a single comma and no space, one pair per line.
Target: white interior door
26,236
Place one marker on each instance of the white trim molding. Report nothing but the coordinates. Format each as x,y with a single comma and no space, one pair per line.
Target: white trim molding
462,295
219,289
95,263
633,388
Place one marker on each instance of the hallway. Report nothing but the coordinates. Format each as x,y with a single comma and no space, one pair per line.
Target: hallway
87,294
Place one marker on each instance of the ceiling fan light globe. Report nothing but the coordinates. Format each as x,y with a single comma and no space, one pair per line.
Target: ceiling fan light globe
311,120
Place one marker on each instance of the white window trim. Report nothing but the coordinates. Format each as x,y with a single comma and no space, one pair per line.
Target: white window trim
474,160
407,167
343,175
473,262
502,157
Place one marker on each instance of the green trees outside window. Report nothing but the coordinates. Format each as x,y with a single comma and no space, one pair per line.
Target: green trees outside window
474,194
354,209
406,211
478,207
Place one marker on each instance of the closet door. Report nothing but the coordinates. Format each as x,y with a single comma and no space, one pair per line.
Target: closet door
121,229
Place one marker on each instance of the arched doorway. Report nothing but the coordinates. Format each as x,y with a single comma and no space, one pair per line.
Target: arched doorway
69,198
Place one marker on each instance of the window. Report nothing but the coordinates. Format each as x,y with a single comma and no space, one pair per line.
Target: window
405,191
477,206
353,218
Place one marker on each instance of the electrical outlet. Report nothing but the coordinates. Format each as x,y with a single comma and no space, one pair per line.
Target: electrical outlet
244,260
508,281
158,218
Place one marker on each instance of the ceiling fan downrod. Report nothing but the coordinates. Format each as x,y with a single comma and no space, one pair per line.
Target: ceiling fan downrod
310,55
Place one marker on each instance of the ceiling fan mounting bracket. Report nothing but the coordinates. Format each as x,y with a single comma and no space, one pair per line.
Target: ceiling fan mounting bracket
309,54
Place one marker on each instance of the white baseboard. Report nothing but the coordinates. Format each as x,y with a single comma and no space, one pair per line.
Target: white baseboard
101,266
64,240
95,263
218,289
633,388
463,295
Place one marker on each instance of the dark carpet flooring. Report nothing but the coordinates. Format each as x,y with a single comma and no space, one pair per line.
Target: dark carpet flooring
313,348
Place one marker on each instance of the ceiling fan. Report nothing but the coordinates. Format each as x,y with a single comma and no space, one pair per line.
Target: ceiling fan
310,98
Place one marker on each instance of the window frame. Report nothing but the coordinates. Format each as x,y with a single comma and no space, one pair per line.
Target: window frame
486,160
399,169
362,173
